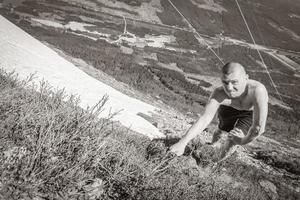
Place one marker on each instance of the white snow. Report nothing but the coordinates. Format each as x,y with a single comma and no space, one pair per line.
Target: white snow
48,23
246,44
171,66
159,41
25,55
74,26
292,15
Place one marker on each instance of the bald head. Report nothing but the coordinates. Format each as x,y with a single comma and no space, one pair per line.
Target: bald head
233,67
234,79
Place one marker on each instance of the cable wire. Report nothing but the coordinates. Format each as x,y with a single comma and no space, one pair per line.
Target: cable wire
196,32
244,19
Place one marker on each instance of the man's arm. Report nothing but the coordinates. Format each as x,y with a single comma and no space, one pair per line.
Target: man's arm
210,111
260,115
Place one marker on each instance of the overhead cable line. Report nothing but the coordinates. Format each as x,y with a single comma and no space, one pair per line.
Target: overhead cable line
196,32
262,60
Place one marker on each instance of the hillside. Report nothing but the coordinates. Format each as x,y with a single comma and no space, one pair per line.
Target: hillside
163,59
53,149
145,49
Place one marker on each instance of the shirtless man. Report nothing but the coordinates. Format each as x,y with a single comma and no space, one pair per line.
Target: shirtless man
242,107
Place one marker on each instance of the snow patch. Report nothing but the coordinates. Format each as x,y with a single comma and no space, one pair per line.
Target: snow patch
25,55
74,26
294,16
149,40
126,50
171,66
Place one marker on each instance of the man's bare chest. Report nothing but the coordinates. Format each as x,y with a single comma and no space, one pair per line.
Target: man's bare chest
244,104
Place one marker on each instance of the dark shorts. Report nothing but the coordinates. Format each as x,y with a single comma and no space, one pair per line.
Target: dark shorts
230,118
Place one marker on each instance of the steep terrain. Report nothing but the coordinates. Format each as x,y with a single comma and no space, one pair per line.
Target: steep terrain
148,51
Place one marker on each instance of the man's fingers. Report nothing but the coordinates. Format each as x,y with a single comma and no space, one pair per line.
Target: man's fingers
230,137
235,131
232,134
174,151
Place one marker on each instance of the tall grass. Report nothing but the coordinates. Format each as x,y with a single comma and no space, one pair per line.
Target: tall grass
52,149
46,143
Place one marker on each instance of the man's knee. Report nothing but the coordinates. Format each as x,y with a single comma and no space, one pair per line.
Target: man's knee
218,132
216,136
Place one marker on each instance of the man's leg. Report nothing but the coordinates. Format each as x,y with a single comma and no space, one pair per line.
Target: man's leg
227,146
243,123
229,143
216,136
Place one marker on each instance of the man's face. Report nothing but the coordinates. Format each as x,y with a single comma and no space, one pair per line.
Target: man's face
234,83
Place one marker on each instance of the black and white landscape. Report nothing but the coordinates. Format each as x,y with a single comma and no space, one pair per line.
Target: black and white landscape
158,61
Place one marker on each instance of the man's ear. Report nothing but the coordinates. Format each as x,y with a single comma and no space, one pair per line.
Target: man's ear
247,76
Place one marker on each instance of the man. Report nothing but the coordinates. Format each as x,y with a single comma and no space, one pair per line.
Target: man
242,106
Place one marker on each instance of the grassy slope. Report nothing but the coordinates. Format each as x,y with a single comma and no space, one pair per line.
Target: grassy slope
53,149
282,125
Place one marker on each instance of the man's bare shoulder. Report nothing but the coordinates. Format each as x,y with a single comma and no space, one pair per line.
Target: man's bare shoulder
258,89
254,83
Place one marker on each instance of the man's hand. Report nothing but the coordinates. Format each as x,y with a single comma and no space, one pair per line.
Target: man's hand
178,148
234,138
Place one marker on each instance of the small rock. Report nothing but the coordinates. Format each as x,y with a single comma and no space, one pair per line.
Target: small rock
225,178
96,189
269,188
156,148
185,163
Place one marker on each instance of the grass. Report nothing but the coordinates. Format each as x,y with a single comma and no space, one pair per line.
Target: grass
50,148
53,149
46,142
